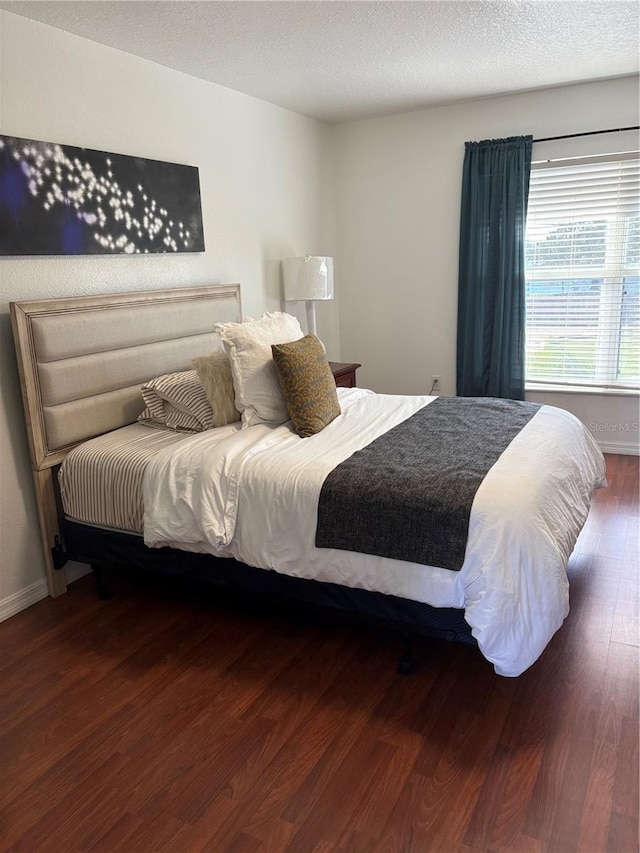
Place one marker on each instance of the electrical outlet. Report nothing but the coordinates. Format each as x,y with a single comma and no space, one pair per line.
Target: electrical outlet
435,382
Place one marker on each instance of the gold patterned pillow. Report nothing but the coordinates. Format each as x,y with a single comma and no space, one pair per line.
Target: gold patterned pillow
307,384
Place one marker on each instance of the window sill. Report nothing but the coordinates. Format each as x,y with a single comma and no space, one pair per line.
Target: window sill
580,389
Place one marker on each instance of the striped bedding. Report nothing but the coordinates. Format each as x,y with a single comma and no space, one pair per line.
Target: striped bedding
101,480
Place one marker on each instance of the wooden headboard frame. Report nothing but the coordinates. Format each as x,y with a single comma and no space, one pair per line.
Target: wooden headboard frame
82,361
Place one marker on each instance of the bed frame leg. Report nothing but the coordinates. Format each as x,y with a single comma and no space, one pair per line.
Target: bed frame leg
407,663
104,592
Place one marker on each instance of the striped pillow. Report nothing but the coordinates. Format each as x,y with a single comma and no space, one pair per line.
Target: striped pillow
177,401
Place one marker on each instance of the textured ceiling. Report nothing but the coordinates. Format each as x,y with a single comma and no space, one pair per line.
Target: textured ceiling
337,61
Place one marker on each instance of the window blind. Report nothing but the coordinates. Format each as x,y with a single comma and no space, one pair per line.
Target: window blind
582,273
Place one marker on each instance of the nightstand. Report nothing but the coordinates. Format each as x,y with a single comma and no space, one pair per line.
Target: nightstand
344,374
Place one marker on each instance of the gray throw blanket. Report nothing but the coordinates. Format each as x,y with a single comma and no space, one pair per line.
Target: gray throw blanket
408,494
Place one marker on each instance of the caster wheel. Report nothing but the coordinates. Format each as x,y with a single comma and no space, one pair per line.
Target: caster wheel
406,666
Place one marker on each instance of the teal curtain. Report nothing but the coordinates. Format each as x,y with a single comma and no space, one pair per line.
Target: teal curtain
491,279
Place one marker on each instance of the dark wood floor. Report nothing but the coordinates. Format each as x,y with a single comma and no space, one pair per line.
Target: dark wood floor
162,720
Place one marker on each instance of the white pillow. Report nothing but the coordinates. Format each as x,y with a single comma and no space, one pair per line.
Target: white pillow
255,381
214,372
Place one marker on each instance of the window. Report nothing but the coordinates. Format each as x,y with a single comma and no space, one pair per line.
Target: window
583,273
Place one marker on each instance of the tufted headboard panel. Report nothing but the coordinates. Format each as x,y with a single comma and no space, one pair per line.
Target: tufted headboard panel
82,360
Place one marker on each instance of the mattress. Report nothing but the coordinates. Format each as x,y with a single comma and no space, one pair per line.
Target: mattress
253,494
101,480
256,495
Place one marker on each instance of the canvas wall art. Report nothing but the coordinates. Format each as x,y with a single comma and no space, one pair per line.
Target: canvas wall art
62,200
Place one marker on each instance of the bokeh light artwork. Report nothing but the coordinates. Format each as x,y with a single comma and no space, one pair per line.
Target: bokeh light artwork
62,200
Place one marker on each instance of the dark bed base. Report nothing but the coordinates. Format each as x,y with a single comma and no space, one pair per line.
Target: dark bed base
100,548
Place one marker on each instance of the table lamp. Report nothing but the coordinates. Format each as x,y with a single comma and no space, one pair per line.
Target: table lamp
306,280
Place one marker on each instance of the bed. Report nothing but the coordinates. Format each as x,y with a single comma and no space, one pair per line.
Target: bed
82,362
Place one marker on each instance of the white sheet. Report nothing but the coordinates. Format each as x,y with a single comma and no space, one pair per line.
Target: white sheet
254,494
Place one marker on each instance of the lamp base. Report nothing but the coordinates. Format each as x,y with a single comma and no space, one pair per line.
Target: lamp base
311,317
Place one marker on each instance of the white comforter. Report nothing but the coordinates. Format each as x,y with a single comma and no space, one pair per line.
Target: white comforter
253,494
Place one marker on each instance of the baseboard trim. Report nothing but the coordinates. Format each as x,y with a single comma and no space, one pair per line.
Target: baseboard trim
22,599
618,447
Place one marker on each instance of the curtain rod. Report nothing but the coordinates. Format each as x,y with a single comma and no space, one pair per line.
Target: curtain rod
589,133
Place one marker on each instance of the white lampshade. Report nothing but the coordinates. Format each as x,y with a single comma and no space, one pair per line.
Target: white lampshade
307,278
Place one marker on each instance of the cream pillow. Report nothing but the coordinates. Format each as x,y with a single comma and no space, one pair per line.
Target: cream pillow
255,381
214,372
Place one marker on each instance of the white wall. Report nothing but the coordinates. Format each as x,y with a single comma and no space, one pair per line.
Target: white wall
264,174
398,184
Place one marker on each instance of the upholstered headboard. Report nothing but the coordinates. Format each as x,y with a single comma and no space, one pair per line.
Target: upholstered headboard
82,361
